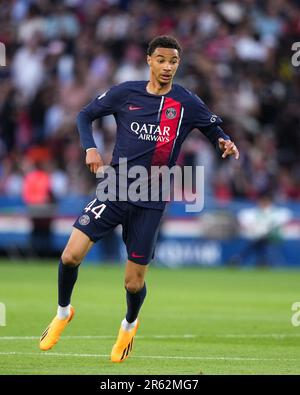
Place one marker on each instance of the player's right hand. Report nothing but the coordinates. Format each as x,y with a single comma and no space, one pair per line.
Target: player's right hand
93,160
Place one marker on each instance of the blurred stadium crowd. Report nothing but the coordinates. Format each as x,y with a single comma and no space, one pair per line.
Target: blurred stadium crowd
236,57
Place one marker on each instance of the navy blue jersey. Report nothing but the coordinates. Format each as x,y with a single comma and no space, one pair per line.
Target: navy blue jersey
150,128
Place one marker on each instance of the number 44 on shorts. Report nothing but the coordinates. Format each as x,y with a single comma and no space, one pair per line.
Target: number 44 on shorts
100,208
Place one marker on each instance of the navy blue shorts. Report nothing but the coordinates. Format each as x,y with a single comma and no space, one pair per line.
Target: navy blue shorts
139,226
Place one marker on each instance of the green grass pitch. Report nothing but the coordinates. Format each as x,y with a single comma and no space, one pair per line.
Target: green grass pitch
194,321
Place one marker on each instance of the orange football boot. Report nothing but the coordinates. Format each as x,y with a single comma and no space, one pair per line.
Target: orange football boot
51,334
123,346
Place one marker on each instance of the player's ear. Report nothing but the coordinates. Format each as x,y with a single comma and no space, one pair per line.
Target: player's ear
149,60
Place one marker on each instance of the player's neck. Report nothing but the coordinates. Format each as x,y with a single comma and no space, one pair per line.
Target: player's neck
155,88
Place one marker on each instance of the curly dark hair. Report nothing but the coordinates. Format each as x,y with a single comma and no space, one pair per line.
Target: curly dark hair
163,42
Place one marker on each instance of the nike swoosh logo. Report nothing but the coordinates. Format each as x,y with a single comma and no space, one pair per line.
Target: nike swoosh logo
131,108
135,255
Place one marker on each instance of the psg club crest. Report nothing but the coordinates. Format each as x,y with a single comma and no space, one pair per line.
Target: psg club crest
84,219
170,113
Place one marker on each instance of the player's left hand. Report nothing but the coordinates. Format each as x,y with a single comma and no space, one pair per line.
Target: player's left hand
228,147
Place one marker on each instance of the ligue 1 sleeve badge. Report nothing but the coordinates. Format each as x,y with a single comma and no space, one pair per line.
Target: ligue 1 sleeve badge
84,220
170,113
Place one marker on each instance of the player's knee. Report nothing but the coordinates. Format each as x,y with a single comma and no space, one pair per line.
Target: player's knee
70,258
134,286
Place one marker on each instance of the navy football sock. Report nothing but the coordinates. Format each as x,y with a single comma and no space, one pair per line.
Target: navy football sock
134,303
67,276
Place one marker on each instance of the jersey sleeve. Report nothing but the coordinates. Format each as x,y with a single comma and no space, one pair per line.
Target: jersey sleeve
108,102
202,116
207,122
104,104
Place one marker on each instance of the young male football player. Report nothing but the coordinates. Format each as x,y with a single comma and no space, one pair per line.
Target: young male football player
153,119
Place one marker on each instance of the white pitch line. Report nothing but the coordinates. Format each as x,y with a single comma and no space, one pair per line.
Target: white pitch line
151,357
186,336
260,335
102,337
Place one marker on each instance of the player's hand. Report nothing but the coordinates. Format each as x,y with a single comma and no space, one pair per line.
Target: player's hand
93,160
229,148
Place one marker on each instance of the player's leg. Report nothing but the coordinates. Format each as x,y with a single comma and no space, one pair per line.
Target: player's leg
77,247
140,235
96,220
135,287
135,291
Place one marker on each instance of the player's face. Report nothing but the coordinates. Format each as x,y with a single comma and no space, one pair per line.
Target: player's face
163,64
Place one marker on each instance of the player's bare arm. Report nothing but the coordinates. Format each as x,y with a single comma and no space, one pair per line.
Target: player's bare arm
93,160
229,148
